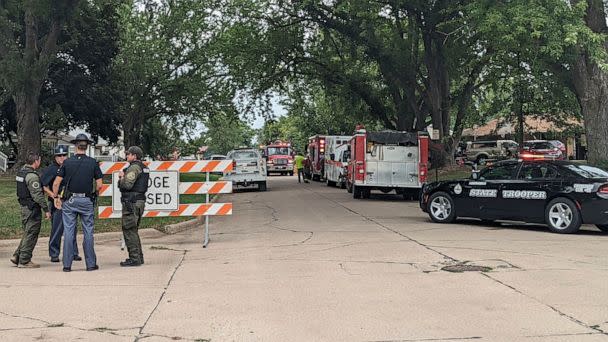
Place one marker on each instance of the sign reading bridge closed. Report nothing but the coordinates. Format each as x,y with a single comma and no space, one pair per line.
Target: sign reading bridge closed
163,191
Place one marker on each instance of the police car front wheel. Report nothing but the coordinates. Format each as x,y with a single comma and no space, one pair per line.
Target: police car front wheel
562,216
441,208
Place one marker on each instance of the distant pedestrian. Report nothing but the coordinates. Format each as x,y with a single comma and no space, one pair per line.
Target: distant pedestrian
48,178
32,201
133,185
299,159
82,182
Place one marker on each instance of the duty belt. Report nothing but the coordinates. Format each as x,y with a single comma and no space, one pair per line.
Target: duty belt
79,194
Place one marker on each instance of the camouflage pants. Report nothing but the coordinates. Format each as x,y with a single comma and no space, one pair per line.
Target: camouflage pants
131,216
31,220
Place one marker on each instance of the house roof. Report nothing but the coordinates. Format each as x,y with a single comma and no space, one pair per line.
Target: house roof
503,127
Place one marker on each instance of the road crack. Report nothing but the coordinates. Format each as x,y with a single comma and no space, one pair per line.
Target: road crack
553,308
141,329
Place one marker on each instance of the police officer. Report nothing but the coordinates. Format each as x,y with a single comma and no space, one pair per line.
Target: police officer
133,184
48,177
31,199
82,182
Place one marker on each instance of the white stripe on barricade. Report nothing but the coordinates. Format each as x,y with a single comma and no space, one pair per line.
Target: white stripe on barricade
180,165
186,188
211,209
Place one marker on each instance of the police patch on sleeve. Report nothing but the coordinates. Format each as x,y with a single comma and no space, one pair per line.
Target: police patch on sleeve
131,176
35,185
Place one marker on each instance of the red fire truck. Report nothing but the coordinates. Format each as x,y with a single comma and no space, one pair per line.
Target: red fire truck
279,158
387,161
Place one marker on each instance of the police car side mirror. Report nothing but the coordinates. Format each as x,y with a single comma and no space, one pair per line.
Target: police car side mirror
475,175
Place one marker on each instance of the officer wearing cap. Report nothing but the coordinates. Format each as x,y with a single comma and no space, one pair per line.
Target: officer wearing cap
133,184
31,199
82,177
48,178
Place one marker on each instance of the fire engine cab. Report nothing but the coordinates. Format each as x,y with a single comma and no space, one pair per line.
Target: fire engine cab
387,161
279,158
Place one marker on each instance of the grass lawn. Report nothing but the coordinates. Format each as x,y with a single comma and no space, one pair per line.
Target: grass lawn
10,220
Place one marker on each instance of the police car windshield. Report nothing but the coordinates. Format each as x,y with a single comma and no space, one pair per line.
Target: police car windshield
587,171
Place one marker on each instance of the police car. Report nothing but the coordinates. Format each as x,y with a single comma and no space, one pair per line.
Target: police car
561,194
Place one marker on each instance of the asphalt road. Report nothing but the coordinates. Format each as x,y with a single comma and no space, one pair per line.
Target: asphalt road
306,262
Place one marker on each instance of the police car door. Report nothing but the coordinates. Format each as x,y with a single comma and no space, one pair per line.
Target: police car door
485,191
527,195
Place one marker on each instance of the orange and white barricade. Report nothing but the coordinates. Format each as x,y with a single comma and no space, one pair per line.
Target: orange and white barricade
185,188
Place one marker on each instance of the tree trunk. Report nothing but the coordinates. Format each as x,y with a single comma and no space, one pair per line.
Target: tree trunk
35,62
591,86
28,124
133,126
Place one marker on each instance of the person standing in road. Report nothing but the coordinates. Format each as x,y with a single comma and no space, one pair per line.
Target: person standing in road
31,199
300,166
80,173
133,185
48,178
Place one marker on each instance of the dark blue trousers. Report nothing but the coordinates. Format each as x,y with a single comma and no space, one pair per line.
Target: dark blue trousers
57,232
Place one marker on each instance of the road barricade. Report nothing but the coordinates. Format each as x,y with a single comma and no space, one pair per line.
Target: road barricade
162,198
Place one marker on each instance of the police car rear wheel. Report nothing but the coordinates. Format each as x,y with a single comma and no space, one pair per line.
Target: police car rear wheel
562,216
441,208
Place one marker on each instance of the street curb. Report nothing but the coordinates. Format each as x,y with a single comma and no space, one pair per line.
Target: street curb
175,228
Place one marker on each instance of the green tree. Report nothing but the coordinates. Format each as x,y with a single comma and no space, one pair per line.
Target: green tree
226,131
168,65
77,90
29,34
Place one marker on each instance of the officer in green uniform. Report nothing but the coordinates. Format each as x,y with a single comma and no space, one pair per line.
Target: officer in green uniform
31,198
133,184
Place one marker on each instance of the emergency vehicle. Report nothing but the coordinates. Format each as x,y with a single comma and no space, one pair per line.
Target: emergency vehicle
316,154
337,154
279,158
386,161
561,194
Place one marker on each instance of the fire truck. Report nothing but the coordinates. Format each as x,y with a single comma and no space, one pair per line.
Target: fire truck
387,161
337,154
279,158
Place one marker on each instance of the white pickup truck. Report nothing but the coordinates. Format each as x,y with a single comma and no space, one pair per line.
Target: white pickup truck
249,168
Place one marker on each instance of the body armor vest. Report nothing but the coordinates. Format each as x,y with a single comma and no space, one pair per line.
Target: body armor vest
23,193
138,191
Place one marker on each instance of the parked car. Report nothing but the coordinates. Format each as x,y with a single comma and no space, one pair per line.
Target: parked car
482,151
541,149
561,194
249,168
216,157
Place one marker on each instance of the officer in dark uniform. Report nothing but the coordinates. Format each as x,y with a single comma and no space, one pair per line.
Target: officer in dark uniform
48,177
133,184
31,199
82,182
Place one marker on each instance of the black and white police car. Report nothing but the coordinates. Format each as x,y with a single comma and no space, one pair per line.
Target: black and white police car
561,194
